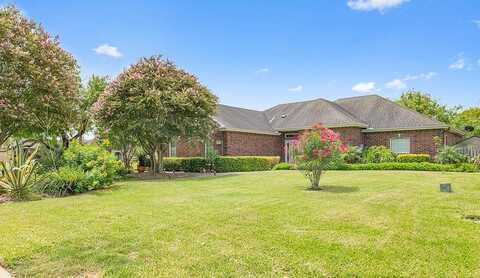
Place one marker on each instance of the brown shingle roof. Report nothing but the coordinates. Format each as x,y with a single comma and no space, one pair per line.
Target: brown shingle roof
472,142
308,113
381,113
372,112
235,118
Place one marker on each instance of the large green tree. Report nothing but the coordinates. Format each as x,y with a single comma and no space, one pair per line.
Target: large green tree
39,81
156,102
427,105
467,119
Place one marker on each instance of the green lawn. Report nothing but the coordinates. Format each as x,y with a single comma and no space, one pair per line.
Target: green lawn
256,224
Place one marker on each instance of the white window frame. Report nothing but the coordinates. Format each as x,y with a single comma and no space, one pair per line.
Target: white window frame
401,138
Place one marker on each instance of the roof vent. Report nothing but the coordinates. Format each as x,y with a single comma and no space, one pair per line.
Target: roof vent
283,116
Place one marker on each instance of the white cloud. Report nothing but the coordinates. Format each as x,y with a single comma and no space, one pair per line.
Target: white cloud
108,50
459,64
370,5
264,70
364,87
478,62
476,22
298,88
425,76
401,83
396,84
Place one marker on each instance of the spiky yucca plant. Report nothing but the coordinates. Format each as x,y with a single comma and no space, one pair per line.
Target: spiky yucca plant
18,175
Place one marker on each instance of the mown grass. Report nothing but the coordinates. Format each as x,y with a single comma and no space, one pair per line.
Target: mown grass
363,224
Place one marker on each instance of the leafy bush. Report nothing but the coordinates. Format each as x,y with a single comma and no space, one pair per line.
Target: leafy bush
378,154
18,175
353,155
49,158
211,158
450,155
223,163
65,181
410,157
410,166
284,166
100,166
246,163
476,161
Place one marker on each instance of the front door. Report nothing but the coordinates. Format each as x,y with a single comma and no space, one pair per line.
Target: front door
289,154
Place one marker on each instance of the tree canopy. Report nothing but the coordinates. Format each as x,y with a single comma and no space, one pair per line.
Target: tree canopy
469,118
88,96
427,105
156,102
39,81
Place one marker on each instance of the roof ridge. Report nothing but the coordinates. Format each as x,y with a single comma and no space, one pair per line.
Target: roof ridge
348,114
236,107
295,102
371,95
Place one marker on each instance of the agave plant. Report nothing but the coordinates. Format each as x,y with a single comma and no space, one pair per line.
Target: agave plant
18,174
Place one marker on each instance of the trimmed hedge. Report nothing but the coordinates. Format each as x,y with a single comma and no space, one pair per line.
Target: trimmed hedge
284,166
409,166
410,157
223,164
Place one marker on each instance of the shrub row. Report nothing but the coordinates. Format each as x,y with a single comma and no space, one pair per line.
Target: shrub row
222,164
410,157
408,166
284,166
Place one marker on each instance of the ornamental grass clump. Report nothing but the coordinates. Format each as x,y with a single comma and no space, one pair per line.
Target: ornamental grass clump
17,176
316,149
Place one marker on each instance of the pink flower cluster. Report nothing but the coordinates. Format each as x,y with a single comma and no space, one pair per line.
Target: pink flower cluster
319,143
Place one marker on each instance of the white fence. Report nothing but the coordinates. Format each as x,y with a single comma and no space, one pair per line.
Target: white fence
470,151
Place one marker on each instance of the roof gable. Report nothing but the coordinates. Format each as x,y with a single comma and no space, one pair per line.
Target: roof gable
307,113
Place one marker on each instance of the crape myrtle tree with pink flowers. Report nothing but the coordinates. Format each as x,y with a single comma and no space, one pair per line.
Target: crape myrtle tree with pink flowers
39,81
154,102
315,149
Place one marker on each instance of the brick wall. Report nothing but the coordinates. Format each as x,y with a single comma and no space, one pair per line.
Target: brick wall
452,138
421,141
350,135
187,147
240,143
233,143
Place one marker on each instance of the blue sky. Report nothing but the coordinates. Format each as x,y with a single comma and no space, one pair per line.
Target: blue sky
257,54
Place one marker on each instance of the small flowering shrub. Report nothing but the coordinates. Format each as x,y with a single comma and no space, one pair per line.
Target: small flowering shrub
316,149
379,154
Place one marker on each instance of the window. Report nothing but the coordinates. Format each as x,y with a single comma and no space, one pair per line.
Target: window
400,145
172,147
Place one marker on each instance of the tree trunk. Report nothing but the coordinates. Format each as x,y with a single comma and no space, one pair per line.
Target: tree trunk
65,141
315,179
127,155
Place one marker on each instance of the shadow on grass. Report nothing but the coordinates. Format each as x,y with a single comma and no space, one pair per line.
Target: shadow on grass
335,189
157,179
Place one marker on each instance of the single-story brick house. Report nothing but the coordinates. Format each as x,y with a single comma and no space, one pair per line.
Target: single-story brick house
361,121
